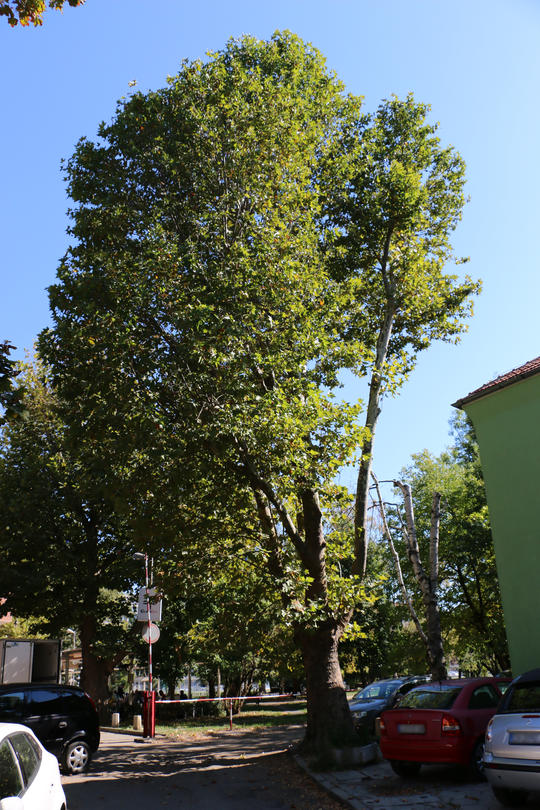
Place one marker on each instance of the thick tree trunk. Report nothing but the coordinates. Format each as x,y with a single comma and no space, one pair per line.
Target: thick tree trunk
329,720
95,669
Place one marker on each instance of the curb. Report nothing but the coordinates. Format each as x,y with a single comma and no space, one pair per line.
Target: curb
127,731
336,793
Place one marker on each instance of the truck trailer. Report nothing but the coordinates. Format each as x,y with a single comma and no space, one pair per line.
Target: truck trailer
29,660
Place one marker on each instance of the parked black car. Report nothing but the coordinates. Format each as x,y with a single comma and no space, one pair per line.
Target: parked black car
369,702
63,718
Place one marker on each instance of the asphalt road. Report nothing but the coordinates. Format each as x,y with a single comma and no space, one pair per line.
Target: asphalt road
227,770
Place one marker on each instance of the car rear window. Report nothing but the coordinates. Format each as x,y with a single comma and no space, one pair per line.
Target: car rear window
28,754
10,780
442,697
377,691
523,697
484,697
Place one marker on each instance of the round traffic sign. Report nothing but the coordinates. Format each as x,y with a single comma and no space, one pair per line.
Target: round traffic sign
150,633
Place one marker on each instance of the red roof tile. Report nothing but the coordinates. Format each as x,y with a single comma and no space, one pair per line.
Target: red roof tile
511,377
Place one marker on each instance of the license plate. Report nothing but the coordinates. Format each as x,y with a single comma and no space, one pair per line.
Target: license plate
524,738
411,728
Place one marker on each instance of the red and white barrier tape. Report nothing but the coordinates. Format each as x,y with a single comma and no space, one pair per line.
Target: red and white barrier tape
210,700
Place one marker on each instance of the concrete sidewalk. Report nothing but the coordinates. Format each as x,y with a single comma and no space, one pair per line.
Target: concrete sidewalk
437,787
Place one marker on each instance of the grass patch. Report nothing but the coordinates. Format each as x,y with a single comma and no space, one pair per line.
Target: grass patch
267,714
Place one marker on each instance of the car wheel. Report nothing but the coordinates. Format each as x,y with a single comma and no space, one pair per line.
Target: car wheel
405,769
509,797
76,757
477,760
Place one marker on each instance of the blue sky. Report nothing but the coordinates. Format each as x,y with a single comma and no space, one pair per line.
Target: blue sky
477,63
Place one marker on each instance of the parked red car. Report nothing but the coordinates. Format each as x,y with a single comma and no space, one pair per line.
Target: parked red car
443,722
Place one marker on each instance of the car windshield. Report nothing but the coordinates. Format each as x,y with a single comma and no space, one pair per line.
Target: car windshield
523,697
377,691
440,697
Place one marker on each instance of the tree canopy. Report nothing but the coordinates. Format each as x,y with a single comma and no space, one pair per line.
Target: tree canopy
30,12
10,394
212,295
65,551
389,209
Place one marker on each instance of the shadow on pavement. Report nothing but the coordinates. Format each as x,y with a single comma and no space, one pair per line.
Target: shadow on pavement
229,771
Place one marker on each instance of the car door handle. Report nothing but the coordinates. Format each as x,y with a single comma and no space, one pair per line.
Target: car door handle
62,724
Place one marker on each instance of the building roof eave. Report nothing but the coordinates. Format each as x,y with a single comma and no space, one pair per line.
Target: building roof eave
510,378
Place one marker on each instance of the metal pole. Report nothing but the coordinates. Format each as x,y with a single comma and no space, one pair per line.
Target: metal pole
151,721
150,683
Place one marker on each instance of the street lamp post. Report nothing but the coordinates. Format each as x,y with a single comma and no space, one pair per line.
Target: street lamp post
149,724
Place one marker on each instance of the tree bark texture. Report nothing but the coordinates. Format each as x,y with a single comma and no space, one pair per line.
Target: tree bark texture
329,717
95,669
329,720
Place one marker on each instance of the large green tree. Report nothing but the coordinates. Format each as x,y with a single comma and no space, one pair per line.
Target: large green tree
197,325
194,301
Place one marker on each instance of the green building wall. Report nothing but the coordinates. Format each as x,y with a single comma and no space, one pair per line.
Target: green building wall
507,424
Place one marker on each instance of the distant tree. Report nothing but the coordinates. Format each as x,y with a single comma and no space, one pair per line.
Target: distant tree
19,628
426,577
472,611
30,12
370,655
242,627
65,553
471,616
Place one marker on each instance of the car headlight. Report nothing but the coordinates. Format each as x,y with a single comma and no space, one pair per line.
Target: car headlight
359,715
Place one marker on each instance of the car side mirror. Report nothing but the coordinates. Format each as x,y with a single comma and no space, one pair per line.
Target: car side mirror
11,803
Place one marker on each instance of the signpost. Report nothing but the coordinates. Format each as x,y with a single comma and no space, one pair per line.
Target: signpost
149,610
150,633
148,594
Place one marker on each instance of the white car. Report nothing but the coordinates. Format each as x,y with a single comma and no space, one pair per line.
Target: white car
512,744
29,775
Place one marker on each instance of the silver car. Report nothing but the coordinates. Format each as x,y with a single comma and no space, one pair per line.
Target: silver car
512,745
